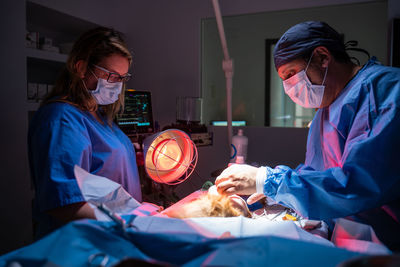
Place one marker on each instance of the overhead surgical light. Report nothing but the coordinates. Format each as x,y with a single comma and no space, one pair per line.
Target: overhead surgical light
169,156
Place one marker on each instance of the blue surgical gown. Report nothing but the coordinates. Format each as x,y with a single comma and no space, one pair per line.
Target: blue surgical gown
60,136
352,165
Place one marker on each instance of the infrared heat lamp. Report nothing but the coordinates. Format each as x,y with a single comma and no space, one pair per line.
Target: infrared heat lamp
169,156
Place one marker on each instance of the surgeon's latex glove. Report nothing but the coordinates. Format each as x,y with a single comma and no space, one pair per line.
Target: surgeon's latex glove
255,197
237,179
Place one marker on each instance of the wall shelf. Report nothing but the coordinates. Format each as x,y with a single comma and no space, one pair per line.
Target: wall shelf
46,55
43,67
32,106
61,27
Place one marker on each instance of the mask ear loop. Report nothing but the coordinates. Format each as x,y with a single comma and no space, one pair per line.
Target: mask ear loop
326,72
308,63
94,74
84,84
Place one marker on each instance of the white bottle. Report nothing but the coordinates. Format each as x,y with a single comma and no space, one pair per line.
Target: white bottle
240,143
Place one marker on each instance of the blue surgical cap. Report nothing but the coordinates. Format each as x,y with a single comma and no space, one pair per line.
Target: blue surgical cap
302,38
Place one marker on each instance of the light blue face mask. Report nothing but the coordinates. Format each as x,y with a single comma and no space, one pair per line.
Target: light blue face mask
300,89
106,93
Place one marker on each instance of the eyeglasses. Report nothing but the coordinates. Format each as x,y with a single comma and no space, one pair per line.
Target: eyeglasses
114,77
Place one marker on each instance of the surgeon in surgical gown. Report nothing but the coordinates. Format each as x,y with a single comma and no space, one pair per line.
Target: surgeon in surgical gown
352,166
74,126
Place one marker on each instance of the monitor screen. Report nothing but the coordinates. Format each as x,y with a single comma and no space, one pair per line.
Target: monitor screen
225,123
137,116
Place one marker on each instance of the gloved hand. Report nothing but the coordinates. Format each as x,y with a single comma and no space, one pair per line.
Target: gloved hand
255,197
237,179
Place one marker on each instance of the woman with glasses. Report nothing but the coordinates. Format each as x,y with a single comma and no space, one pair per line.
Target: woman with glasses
74,126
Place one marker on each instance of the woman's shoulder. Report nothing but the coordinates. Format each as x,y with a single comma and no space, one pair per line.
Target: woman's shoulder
62,107
56,110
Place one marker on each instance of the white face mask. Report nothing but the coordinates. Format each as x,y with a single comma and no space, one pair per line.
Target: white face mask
300,89
106,93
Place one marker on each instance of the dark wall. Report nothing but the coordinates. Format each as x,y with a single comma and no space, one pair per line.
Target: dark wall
267,146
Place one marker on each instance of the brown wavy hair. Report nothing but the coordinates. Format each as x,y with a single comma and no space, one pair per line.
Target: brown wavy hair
207,205
91,47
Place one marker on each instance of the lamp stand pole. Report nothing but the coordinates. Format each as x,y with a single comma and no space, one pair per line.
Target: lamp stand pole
227,66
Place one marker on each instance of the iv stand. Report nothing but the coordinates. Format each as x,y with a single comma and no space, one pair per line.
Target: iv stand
227,66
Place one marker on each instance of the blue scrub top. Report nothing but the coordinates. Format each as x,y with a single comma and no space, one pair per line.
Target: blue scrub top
353,157
60,136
